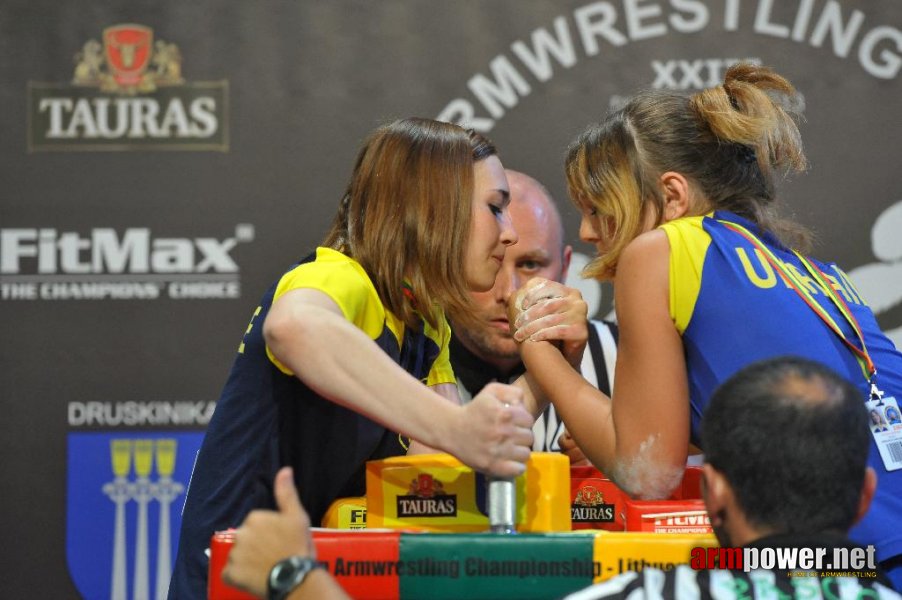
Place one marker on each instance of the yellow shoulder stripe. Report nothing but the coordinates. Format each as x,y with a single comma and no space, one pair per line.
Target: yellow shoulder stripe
348,285
688,246
441,371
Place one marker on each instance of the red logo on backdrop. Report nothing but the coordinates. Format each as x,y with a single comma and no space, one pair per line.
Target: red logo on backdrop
127,49
128,62
127,93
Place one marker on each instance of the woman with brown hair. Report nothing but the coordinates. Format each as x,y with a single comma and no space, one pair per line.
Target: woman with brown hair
678,195
347,354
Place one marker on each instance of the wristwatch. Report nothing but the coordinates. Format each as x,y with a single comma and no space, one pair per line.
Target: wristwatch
287,575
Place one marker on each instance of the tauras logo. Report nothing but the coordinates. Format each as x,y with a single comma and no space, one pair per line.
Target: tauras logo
128,93
126,264
128,118
589,506
426,498
442,506
592,514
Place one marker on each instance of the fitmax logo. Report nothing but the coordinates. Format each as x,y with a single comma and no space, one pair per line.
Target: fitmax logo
50,252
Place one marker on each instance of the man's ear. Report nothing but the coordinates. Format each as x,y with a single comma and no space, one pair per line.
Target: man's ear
675,191
868,487
565,262
716,492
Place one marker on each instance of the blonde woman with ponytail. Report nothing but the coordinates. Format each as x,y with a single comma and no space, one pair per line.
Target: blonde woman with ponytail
679,196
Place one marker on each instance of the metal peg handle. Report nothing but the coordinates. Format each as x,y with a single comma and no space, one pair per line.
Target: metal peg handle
502,505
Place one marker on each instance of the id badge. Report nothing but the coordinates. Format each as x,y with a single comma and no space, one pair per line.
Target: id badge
885,421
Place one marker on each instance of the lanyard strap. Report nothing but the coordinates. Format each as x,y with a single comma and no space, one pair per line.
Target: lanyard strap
408,293
861,354
840,304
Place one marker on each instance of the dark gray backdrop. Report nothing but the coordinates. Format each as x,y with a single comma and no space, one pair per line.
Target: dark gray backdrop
304,82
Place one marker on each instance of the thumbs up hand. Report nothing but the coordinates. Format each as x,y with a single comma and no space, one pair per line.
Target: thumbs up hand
266,537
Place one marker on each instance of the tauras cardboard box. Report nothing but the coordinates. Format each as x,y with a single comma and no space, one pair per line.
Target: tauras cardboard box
436,492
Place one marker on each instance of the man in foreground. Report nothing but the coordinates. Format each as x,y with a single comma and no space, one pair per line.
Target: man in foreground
804,492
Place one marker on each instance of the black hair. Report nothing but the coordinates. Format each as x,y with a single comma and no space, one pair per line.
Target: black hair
792,439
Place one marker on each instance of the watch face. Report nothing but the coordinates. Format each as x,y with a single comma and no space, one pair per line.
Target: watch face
283,574
288,574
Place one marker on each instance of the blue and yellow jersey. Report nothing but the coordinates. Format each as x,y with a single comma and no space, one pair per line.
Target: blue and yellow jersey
347,284
266,418
732,308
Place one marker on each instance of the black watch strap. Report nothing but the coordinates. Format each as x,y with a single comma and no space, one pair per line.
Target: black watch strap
288,574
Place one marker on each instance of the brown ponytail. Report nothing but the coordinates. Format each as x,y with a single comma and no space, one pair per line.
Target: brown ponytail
733,141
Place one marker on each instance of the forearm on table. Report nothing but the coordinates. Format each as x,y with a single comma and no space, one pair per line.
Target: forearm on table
585,411
449,392
341,363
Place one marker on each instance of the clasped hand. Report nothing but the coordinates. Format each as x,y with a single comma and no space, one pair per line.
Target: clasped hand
544,310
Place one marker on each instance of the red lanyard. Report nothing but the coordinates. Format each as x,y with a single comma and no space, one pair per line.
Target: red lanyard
408,292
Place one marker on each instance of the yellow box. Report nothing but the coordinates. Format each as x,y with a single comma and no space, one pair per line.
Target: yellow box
346,513
436,492
617,552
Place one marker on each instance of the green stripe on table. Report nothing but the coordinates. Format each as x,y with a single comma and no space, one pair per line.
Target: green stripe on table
484,565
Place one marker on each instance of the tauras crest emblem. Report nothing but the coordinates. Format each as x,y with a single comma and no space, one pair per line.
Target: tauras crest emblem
128,61
588,496
426,486
126,93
